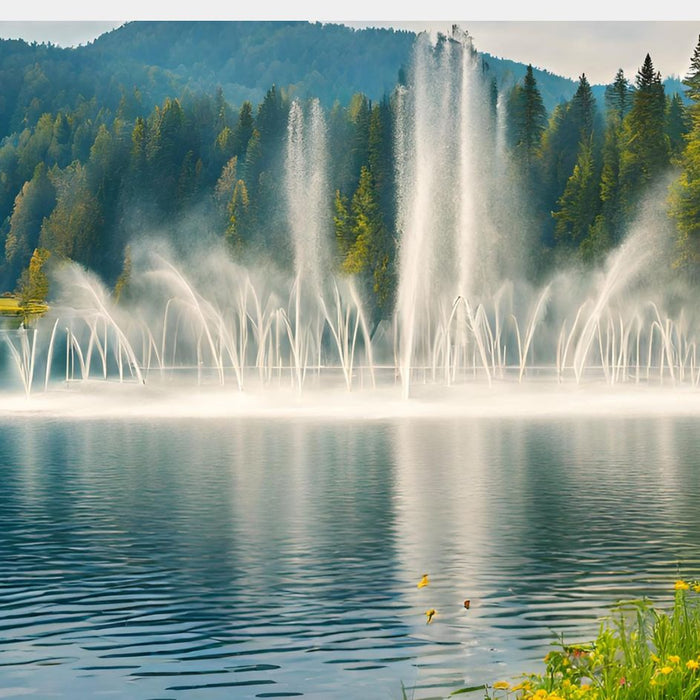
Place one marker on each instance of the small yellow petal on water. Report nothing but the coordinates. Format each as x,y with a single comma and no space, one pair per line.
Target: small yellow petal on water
430,614
424,581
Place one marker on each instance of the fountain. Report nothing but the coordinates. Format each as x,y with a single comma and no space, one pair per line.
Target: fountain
464,312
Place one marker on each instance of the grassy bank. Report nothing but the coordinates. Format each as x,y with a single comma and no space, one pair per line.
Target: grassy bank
642,652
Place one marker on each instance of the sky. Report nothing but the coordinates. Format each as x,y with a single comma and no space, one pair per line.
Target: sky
596,41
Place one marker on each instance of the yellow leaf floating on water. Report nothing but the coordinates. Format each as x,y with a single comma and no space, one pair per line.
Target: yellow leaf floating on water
430,614
424,581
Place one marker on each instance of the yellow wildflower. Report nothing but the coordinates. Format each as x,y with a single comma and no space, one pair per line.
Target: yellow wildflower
696,587
681,585
501,685
655,658
692,665
674,659
665,670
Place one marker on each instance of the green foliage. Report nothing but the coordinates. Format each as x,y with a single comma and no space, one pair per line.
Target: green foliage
692,80
677,126
124,280
35,201
343,226
685,192
33,284
238,218
618,96
579,202
73,227
528,120
641,651
148,135
645,150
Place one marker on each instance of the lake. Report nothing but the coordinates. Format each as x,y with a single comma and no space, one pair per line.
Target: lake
245,557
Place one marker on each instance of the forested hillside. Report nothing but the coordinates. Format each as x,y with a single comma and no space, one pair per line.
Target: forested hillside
139,132
142,63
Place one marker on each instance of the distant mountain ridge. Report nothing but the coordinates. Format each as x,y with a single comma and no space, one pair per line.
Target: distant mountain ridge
164,58
329,61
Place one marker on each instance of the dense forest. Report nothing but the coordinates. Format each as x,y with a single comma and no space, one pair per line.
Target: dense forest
105,143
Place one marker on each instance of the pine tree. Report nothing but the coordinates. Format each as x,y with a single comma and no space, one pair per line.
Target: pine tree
676,126
33,284
238,221
365,219
645,151
692,80
124,280
685,194
583,110
579,202
618,96
342,226
73,228
35,201
529,119
243,130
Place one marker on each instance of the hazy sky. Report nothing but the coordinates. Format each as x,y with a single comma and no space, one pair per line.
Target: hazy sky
557,44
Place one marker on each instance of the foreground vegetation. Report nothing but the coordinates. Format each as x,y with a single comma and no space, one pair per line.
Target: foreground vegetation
641,652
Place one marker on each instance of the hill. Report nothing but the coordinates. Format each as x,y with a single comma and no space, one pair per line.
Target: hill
149,61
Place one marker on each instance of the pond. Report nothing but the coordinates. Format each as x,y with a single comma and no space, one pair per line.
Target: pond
250,557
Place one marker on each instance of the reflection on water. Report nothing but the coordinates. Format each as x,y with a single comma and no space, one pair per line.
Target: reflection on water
250,558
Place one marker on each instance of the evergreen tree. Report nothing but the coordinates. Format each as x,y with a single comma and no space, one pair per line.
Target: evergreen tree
226,182
618,96
124,280
243,130
528,119
342,225
676,126
35,201
583,109
238,221
73,228
645,152
692,80
579,202
685,194
33,284
365,216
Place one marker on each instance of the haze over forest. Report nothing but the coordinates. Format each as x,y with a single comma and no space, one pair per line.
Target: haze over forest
178,129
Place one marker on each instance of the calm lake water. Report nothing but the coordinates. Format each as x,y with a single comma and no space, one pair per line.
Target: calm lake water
253,558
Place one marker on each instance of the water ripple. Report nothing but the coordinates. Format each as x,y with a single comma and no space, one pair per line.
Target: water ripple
172,557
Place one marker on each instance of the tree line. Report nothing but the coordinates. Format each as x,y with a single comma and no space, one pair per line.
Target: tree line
83,183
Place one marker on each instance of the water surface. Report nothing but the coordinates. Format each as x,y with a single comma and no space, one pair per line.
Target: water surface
244,558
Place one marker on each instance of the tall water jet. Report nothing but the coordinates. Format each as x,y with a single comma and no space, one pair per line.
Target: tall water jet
445,162
308,192
307,204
